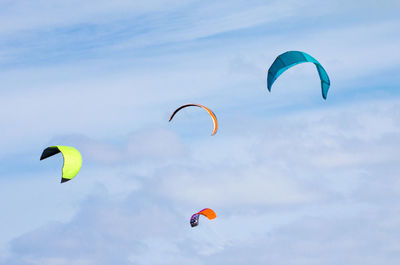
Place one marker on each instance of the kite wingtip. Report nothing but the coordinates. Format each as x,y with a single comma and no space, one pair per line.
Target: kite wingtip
64,180
269,88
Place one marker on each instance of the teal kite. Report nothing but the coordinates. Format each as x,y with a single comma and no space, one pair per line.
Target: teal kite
292,58
72,160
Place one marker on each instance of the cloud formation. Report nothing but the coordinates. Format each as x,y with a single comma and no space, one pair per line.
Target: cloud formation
270,205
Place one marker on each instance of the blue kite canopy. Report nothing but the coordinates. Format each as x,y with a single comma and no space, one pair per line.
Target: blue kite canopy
292,58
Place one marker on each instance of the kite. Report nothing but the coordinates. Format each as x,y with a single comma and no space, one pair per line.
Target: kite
213,117
292,58
207,212
72,160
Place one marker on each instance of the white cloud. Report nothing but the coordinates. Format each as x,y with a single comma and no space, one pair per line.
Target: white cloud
277,198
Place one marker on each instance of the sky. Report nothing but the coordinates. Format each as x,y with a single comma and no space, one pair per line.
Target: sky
294,179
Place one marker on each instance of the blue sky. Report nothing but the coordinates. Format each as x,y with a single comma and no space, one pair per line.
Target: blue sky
294,179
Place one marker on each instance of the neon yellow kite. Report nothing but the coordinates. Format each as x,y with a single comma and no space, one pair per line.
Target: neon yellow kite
72,160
